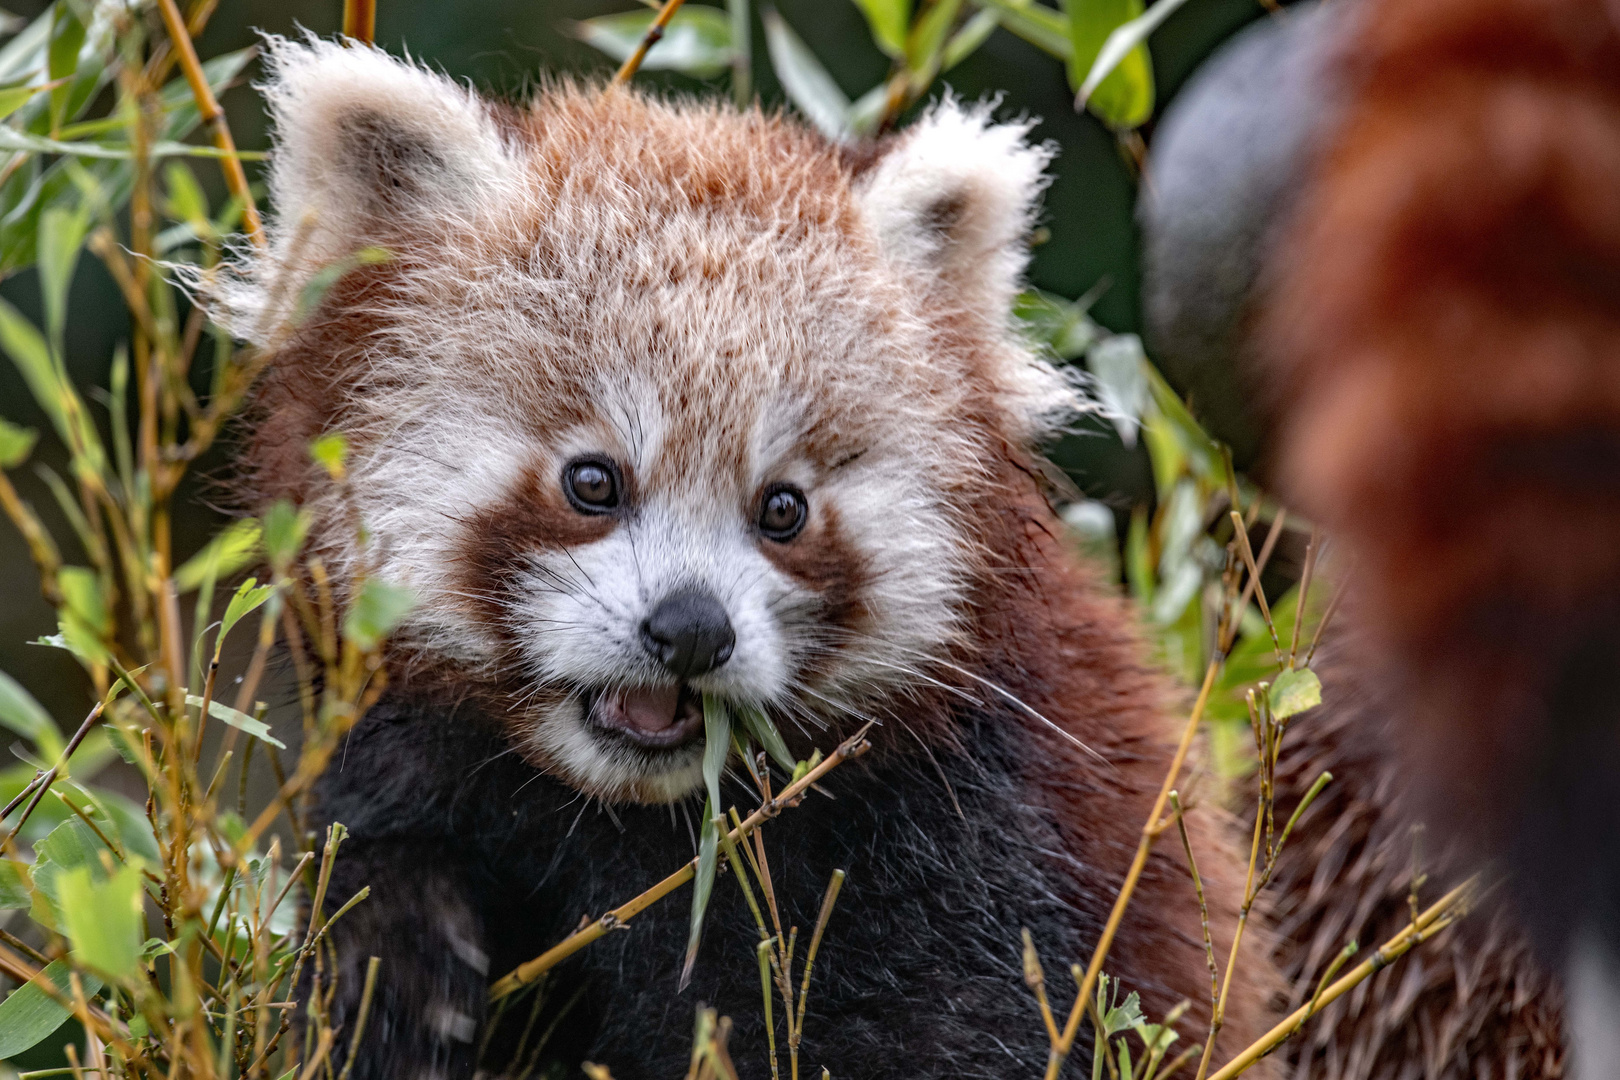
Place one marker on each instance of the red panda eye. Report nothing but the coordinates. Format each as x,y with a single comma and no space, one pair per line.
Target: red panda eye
783,513
592,486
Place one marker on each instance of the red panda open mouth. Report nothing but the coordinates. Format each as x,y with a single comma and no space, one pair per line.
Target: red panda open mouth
659,717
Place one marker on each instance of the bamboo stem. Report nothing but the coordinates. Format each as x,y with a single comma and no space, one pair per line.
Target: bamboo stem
1431,922
528,972
360,20
654,35
212,115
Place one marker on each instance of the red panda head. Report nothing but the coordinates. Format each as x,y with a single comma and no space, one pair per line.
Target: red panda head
648,400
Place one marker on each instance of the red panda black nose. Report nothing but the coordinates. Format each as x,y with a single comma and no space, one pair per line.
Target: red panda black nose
689,633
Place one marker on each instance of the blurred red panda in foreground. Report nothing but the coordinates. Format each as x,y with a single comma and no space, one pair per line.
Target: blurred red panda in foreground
1433,317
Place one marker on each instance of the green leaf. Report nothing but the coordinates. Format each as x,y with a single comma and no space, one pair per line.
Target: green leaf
697,41
246,599
67,39
239,720
1037,24
329,452
230,550
29,1015
966,41
760,726
716,746
806,81
284,531
104,919
888,20
1123,41
13,98
28,718
1124,99
16,885
186,199
1295,690
375,612
61,236
928,37
321,282
1119,366
26,346
1061,325
16,443
81,592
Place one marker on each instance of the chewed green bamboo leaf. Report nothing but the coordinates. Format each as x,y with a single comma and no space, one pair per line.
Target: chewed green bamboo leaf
762,728
716,748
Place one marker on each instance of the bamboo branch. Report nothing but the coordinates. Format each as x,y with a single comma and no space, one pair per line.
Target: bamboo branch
360,20
1442,914
528,972
655,34
212,115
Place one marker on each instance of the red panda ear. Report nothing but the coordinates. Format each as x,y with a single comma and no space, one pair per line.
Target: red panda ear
953,202
366,143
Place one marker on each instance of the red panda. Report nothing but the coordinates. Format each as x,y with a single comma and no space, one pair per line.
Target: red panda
653,400
656,400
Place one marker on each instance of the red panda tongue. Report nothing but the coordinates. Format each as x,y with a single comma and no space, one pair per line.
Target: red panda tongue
656,717
652,711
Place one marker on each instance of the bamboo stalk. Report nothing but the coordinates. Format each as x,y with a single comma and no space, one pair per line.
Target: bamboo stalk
1435,919
1150,833
528,972
655,34
360,20
212,115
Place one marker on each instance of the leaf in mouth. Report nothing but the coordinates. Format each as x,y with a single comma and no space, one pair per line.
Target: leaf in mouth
760,726
716,745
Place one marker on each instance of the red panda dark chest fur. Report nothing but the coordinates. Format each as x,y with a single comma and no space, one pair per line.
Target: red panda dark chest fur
650,402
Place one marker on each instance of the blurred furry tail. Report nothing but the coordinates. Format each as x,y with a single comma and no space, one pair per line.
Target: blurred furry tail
1444,334
1471,1003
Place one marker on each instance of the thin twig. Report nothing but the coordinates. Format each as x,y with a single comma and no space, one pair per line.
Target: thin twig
208,108
655,33
1442,914
526,973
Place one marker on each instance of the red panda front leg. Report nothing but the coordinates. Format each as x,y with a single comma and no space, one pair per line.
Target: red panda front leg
432,982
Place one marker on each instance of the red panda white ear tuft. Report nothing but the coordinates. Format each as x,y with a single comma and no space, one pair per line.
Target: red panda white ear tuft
955,199
364,140
952,204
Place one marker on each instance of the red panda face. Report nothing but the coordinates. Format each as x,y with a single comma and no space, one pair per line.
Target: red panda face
648,402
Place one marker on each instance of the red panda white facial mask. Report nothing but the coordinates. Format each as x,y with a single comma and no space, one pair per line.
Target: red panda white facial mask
709,310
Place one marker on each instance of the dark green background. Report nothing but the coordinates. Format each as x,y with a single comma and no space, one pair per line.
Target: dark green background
503,45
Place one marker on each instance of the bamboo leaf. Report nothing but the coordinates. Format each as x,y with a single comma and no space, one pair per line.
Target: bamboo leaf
1295,690
16,885
762,728
239,720
1037,24
1124,99
697,41
61,238
16,443
29,1015
230,550
103,918
1121,43
285,529
246,599
28,718
806,81
375,611
888,20
716,746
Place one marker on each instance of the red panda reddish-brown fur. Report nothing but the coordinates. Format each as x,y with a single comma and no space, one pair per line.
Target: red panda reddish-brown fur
1443,333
